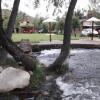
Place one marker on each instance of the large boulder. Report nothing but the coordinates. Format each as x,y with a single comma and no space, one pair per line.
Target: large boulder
12,78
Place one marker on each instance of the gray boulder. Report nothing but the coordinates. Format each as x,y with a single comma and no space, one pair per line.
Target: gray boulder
12,78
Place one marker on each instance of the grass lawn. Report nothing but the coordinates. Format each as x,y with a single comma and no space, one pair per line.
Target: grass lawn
36,37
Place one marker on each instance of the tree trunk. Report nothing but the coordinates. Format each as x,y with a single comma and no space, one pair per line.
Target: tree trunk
3,56
3,53
59,64
16,52
1,20
11,47
10,27
12,19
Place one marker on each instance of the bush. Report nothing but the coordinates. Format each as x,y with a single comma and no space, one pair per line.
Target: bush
37,76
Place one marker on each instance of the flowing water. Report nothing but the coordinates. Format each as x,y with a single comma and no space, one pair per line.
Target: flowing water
83,81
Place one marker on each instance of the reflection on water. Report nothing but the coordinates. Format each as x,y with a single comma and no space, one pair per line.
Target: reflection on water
83,83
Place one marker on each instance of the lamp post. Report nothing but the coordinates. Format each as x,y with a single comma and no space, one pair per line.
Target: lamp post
50,31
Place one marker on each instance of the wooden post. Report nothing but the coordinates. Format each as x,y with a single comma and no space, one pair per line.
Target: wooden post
92,29
50,31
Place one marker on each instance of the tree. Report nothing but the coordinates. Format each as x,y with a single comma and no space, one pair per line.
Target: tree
95,5
79,13
94,8
10,46
5,15
10,26
59,63
60,24
37,21
12,19
75,24
2,51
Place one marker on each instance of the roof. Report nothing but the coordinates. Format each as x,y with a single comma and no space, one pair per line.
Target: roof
93,19
49,20
26,24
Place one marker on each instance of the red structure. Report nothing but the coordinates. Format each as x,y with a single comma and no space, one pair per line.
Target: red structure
27,27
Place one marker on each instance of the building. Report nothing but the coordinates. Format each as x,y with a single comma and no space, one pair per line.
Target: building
26,27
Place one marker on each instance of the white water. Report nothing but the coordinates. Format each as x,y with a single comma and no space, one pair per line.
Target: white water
83,82
87,90
48,56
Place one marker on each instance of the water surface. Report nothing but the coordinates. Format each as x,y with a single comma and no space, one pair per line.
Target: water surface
83,83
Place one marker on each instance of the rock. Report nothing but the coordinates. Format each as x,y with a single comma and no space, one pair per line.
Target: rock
12,78
49,77
1,69
25,45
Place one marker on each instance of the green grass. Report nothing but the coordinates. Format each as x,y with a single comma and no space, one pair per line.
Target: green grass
36,37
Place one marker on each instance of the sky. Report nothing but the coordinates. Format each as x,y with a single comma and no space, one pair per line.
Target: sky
27,7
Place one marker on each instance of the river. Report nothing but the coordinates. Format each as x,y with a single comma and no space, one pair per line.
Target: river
83,81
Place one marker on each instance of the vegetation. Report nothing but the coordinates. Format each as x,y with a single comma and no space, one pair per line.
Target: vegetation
59,26
9,45
38,75
94,8
95,5
75,24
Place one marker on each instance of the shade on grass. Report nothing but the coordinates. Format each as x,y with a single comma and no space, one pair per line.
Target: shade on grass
37,37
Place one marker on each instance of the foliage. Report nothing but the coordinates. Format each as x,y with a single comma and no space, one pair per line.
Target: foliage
79,13
95,5
95,8
20,17
5,14
60,25
75,22
96,14
37,76
58,5
37,21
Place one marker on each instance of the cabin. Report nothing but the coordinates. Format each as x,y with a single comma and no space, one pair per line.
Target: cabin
26,27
